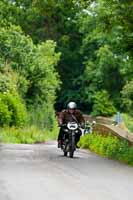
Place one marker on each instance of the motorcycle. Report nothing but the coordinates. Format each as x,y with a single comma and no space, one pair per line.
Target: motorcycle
89,127
70,131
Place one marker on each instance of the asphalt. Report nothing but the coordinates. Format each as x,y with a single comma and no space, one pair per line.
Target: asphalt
40,172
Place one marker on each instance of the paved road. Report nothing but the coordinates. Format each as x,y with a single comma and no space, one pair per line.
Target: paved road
40,172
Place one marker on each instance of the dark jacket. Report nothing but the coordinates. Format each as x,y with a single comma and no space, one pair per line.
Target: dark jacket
65,117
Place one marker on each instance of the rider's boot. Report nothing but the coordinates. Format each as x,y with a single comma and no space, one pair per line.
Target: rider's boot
60,143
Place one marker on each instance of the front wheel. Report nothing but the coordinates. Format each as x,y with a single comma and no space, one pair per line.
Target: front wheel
71,153
72,147
66,147
65,153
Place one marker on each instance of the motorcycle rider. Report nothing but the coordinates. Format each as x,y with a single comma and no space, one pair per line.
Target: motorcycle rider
71,114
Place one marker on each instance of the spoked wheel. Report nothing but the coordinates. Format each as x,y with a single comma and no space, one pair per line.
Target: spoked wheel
66,149
72,147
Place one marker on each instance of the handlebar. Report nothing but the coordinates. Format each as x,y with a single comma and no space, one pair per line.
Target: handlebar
79,125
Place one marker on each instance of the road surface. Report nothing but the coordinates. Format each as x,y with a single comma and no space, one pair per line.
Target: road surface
40,172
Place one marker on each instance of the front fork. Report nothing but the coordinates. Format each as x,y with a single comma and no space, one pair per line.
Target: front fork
72,140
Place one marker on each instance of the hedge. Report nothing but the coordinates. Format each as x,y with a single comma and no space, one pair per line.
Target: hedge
108,146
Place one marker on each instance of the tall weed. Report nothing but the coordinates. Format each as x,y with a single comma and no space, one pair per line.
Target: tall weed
26,135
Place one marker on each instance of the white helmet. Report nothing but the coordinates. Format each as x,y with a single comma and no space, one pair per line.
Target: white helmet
71,105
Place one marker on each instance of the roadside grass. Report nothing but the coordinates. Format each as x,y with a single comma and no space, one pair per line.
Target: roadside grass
128,122
51,135
108,146
26,135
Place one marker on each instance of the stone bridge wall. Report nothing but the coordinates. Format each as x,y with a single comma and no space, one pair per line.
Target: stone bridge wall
105,126
111,129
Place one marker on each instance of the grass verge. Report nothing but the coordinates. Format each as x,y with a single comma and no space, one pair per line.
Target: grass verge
26,135
108,146
128,122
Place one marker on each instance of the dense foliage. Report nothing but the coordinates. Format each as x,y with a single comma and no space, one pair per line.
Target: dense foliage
12,110
95,41
27,76
109,146
28,135
107,49
128,122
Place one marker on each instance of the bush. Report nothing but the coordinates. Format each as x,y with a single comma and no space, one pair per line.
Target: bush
127,97
109,146
27,135
128,120
30,70
102,105
12,110
5,114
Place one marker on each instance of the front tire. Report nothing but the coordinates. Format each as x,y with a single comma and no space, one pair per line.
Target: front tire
72,148
71,153
65,153
66,148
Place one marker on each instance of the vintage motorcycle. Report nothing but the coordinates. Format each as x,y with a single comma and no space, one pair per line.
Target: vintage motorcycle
70,131
89,127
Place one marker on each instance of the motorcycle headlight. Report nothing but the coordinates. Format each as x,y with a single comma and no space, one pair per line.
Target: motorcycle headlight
72,125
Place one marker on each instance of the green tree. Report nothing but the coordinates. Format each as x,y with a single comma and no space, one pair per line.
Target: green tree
34,66
56,20
127,97
106,47
95,40
12,108
103,105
